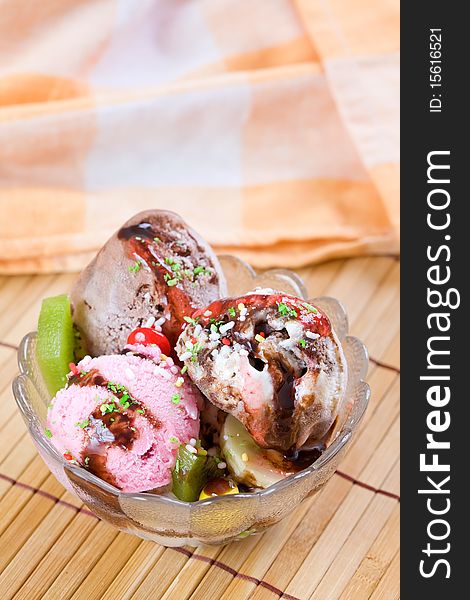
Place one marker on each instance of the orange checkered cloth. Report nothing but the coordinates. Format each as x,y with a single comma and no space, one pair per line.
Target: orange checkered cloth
270,125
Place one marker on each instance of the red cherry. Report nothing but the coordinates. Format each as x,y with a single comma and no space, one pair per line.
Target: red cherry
147,336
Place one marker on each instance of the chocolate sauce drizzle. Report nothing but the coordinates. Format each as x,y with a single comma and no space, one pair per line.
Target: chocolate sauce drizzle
145,244
295,460
111,428
143,230
301,459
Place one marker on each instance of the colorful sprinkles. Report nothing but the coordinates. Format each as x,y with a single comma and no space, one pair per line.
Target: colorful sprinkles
285,310
218,329
178,272
135,267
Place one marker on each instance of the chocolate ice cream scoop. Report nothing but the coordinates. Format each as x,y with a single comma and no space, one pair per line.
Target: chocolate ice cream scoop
272,361
154,267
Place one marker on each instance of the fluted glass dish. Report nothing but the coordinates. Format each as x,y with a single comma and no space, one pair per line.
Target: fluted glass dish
216,520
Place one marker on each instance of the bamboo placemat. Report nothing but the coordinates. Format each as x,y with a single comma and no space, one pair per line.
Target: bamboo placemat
341,544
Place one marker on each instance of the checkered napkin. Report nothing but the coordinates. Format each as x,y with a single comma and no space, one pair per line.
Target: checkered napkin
270,125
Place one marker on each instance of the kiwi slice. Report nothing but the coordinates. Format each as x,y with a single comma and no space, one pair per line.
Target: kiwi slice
246,461
55,341
191,473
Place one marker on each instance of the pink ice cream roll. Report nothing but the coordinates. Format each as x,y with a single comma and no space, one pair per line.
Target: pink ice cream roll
124,416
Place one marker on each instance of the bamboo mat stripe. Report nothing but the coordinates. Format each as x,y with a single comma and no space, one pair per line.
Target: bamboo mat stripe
234,573
367,486
379,363
47,495
342,544
6,345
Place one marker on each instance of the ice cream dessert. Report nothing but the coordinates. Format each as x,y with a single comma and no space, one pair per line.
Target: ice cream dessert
156,267
123,417
184,391
272,361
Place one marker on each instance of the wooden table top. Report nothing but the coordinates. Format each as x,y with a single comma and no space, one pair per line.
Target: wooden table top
341,544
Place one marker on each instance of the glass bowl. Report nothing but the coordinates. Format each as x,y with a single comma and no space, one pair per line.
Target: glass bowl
216,520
